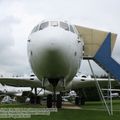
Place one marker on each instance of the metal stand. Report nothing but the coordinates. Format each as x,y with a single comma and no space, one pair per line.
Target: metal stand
110,94
109,109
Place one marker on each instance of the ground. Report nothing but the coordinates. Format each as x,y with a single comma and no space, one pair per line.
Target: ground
91,111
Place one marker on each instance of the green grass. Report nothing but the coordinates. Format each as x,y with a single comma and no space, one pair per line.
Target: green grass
87,112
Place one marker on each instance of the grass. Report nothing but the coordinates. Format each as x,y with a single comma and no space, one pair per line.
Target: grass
87,112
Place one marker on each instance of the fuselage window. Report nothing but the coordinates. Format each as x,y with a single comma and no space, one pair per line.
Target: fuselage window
64,25
71,29
54,23
43,25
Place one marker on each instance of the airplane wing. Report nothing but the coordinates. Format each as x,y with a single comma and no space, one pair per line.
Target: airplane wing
79,82
20,81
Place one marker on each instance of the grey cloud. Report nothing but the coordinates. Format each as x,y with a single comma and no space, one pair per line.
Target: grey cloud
11,60
6,37
14,62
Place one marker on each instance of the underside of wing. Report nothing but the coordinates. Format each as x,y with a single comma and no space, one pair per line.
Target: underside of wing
20,82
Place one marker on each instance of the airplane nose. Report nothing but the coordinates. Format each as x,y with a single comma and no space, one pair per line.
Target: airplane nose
52,62
50,56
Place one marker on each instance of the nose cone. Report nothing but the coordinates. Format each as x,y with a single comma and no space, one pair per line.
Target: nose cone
52,39
51,58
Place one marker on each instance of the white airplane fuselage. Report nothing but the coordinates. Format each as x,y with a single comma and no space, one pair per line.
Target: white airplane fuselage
15,91
55,53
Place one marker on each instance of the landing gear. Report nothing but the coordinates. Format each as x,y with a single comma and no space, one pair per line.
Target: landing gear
53,100
59,101
49,101
79,100
34,99
38,100
56,101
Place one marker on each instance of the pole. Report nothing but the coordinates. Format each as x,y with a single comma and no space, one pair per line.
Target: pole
111,106
99,89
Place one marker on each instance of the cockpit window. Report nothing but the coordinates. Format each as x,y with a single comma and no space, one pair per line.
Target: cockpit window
54,23
35,29
64,25
71,29
43,25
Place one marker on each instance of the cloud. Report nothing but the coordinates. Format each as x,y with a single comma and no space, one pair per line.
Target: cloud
6,37
11,59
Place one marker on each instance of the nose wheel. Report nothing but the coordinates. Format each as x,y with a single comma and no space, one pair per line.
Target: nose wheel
59,101
55,100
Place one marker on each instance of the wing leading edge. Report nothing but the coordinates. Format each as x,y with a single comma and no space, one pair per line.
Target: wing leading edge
20,82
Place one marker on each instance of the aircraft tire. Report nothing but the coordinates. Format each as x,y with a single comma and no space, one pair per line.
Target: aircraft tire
38,100
59,101
32,100
49,101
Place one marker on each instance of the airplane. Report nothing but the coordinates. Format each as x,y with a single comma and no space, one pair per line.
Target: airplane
114,92
6,92
7,99
113,95
70,94
18,91
55,51
13,91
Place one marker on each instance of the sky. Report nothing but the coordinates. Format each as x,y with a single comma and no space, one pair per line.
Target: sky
18,17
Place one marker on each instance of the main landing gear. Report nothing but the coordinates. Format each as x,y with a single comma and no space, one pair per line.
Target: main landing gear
34,98
80,98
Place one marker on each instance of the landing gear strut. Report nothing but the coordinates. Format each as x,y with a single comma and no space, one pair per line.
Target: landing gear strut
57,100
34,99
80,99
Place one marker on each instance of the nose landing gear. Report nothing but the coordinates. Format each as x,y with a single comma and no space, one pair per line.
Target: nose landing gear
55,99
